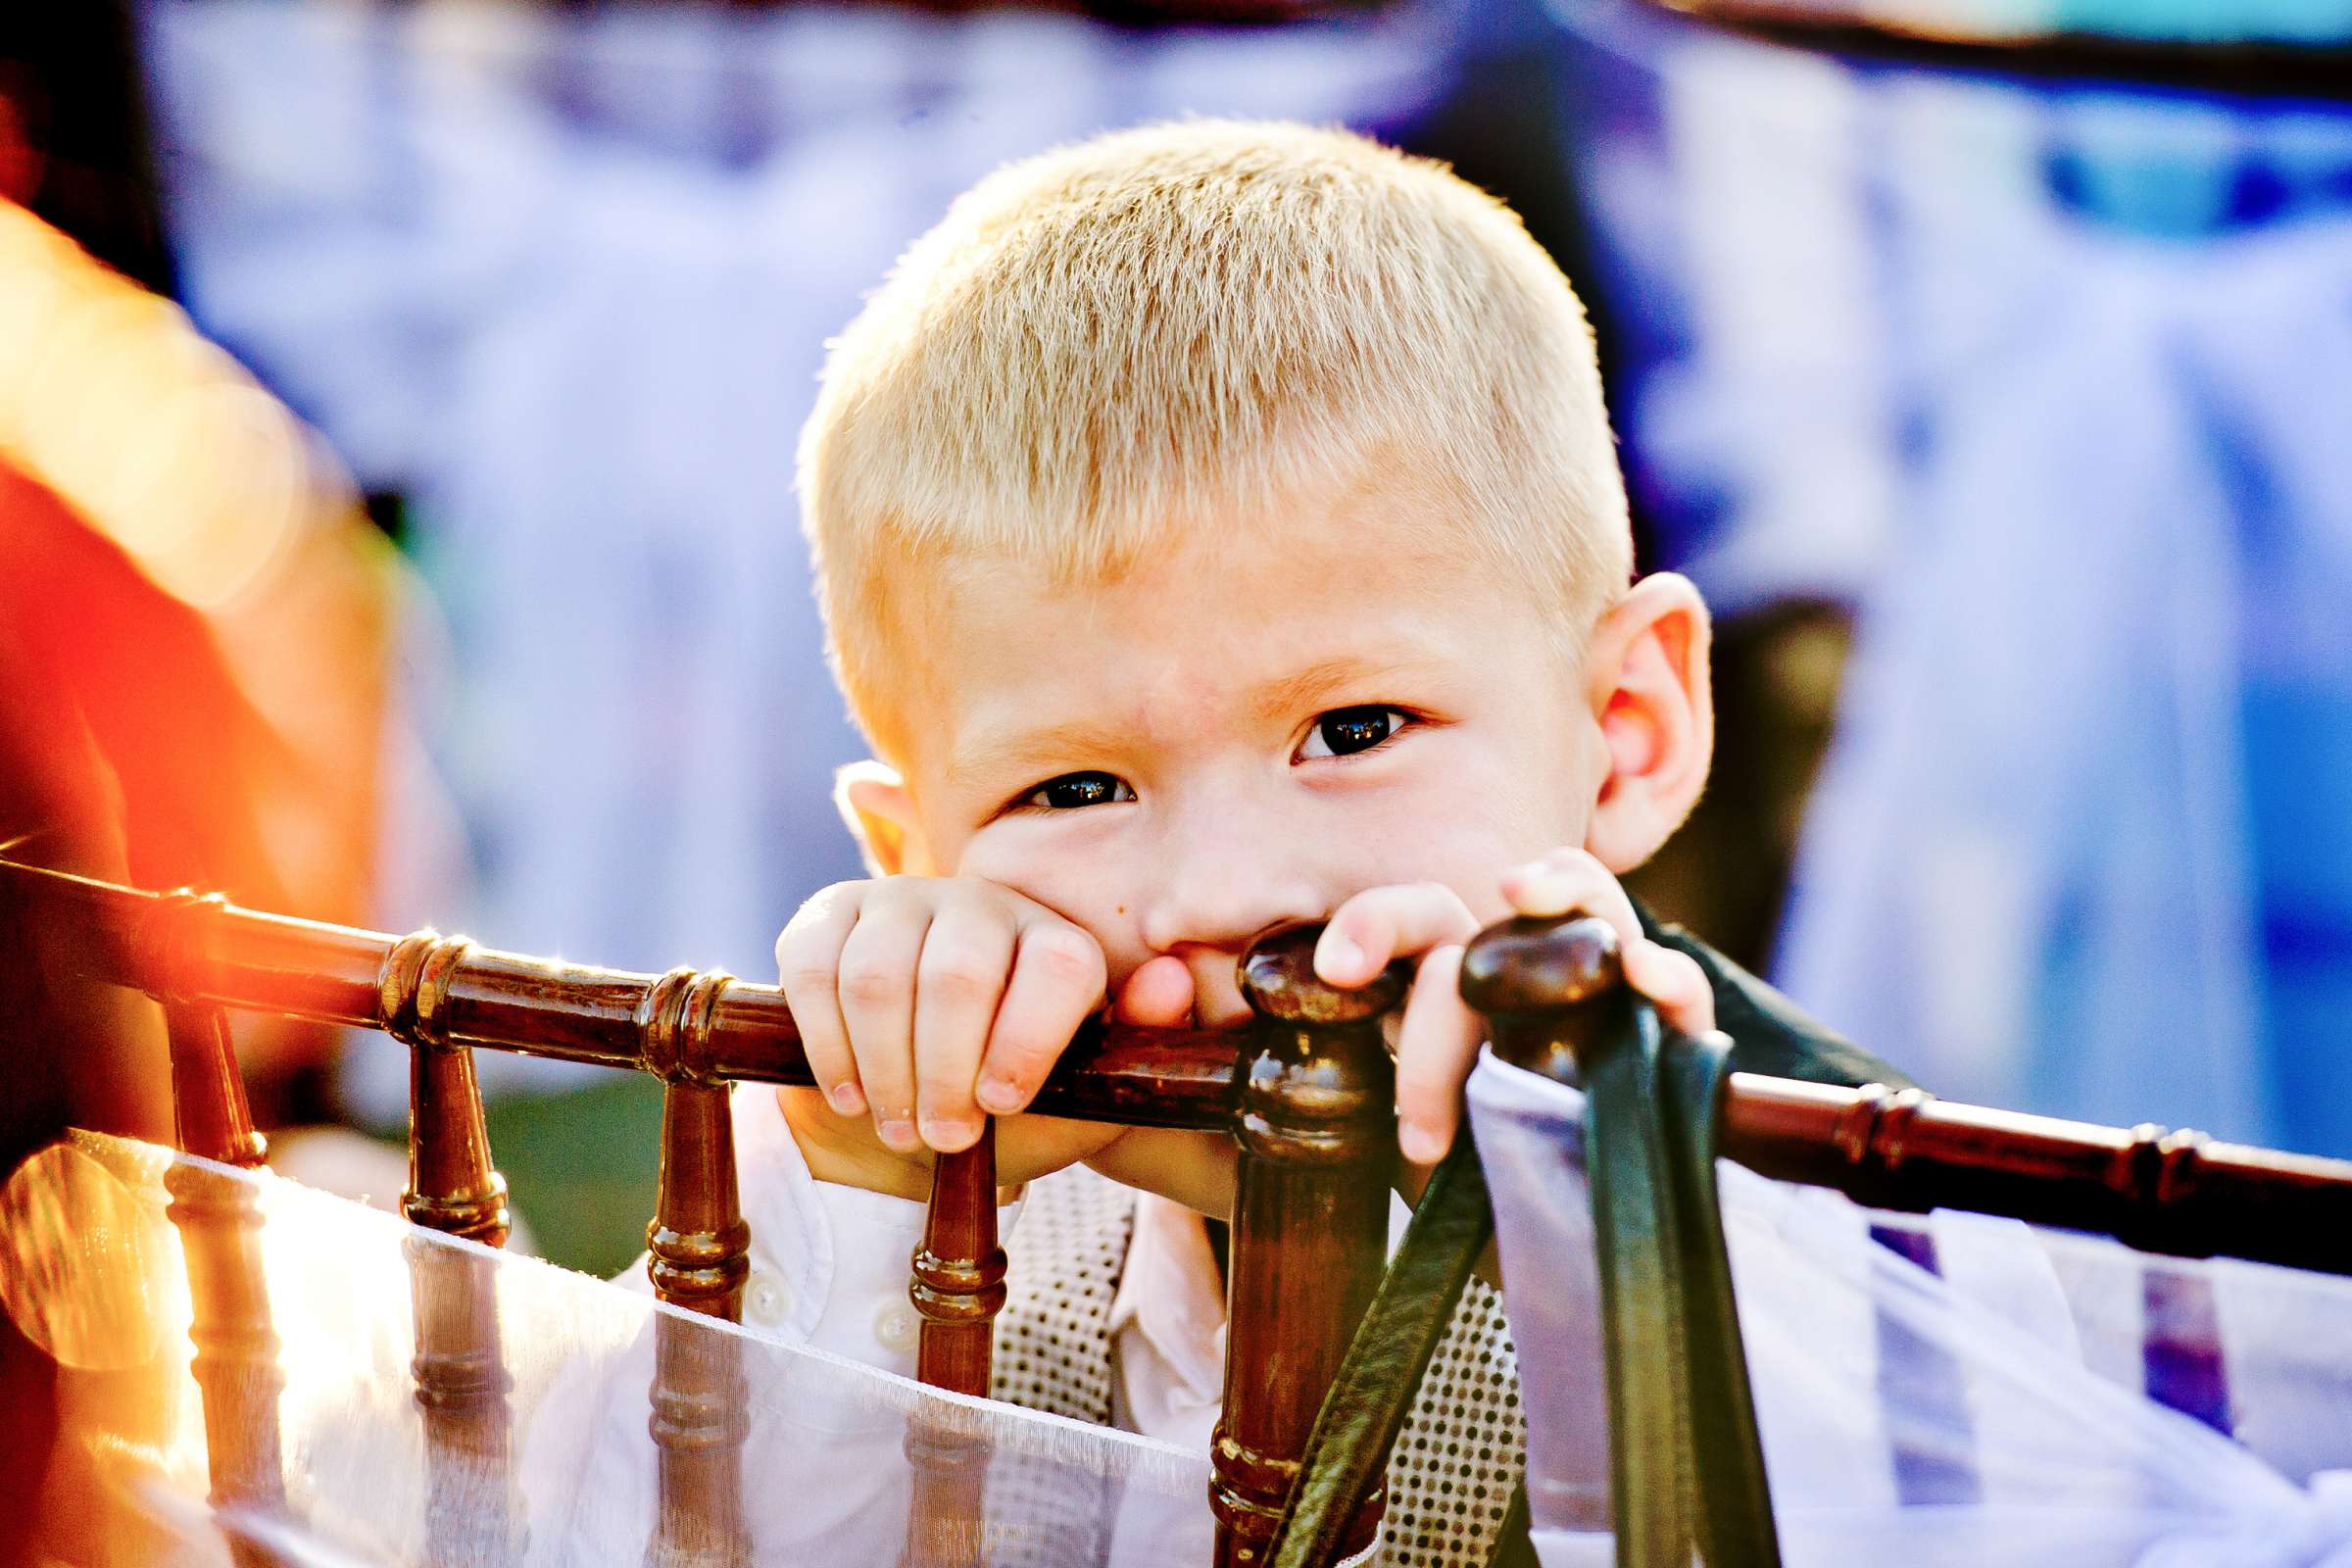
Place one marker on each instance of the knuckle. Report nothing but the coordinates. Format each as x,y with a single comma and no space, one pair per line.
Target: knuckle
1686,978
897,891
1445,906
961,975
888,1086
1022,1054
805,975
939,1088
871,985
826,903
1065,954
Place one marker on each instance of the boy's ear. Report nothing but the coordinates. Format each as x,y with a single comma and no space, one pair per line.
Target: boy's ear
1646,675
874,802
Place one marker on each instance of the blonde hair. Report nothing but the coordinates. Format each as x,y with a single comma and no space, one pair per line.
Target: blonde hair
1105,345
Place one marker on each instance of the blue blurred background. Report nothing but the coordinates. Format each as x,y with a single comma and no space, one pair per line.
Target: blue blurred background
1988,363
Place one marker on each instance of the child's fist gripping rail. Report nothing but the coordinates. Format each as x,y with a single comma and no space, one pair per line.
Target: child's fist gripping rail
926,1003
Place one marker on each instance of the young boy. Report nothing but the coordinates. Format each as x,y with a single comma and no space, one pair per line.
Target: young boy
1217,526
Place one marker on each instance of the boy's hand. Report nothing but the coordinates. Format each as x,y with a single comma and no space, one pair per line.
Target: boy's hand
924,1004
1437,1044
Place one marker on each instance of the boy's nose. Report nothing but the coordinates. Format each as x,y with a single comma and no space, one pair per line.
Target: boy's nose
1209,912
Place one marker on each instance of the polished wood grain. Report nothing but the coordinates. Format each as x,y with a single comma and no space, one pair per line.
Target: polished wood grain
959,1284
453,1187
1547,986
1315,1117
2164,1191
2158,1190
471,1511
958,1289
947,1516
1309,1098
235,1338
175,936
459,1367
699,1255
538,1007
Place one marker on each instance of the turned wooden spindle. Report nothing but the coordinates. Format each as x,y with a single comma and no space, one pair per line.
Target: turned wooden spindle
453,1188
460,1368
236,1345
958,1289
2229,1199
230,1327
698,1250
947,1514
959,1284
1314,1114
208,1091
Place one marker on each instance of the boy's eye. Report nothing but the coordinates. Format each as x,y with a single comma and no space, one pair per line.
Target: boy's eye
1073,790
1344,731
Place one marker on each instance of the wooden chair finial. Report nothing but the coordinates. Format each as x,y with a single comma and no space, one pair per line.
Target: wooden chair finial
1315,1114
1552,988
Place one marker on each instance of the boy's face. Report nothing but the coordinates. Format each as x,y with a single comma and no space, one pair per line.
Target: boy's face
1248,732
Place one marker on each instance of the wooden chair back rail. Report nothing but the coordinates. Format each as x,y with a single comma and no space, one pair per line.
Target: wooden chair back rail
1306,1091
2174,1192
208,950
2159,1190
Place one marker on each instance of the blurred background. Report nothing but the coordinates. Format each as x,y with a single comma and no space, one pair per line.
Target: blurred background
398,402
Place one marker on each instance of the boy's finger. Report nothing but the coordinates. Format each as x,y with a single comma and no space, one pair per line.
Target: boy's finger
1672,981
877,1004
1379,925
1158,995
1058,976
967,959
1436,1046
809,969
1567,880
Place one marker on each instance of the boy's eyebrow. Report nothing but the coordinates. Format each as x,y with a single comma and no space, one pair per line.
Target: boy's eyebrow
1025,751
1284,696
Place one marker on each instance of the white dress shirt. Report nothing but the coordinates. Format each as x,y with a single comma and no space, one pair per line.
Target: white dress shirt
830,1265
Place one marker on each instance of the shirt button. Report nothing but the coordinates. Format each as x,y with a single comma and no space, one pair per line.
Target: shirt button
767,1300
896,1325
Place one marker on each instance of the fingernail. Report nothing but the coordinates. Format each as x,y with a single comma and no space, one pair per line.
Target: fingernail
947,1131
1340,954
999,1095
899,1133
1418,1144
847,1099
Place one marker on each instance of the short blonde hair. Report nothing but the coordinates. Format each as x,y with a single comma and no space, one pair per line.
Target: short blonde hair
1112,342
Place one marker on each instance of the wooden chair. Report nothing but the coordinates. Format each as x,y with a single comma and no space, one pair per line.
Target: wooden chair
1305,1090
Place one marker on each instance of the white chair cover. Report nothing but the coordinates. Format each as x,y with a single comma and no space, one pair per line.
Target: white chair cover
1949,1388
93,1269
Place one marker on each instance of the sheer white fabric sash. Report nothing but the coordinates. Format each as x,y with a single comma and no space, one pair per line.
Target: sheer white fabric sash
93,1269
1949,1388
